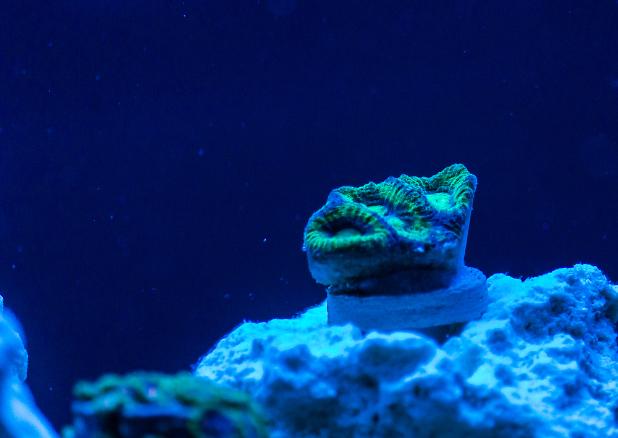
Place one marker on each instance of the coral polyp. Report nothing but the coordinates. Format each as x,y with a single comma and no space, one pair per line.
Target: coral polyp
347,227
411,227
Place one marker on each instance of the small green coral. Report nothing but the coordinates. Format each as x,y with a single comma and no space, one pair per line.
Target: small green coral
159,405
412,228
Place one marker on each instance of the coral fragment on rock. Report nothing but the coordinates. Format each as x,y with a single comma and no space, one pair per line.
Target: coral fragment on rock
392,253
414,228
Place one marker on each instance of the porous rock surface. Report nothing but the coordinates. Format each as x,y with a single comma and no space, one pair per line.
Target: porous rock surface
541,362
19,415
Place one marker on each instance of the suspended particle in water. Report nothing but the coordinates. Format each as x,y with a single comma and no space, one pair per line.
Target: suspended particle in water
281,8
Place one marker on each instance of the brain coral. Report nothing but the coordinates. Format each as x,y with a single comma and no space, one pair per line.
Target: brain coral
407,226
156,405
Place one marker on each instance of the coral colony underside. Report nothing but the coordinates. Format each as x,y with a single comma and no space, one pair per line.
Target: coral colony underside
529,358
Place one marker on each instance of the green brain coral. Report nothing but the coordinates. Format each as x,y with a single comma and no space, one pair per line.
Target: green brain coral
411,230
158,405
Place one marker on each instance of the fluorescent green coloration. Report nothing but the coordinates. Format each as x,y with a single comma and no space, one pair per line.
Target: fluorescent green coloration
416,225
164,405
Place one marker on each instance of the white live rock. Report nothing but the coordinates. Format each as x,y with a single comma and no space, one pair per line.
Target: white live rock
542,361
19,416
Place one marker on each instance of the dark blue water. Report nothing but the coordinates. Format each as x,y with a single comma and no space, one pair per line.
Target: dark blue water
159,159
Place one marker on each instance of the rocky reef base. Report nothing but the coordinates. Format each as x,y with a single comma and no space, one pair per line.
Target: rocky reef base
541,362
19,415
